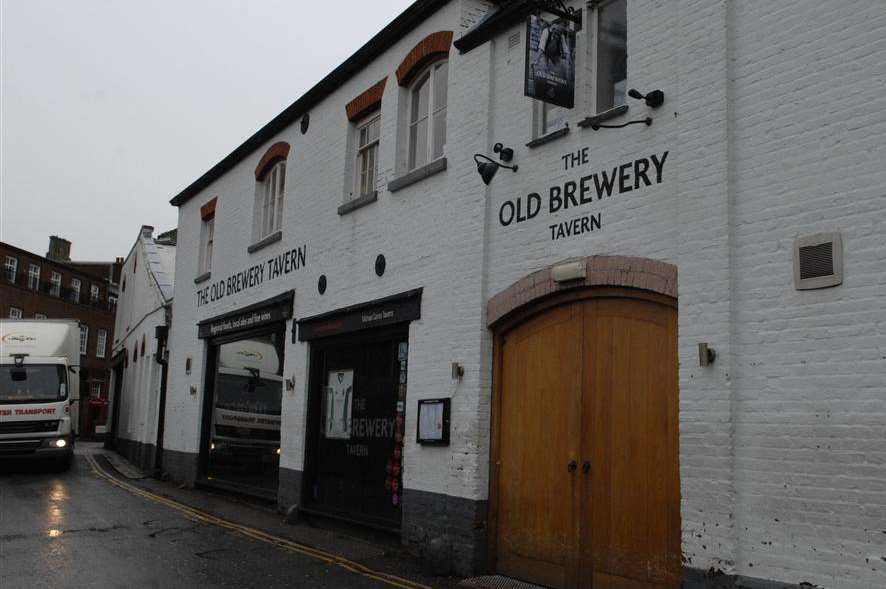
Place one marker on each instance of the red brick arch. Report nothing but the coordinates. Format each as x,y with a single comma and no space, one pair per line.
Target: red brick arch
613,271
367,101
434,46
275,153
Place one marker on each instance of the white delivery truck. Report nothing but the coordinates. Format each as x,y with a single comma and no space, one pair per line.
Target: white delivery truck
39,388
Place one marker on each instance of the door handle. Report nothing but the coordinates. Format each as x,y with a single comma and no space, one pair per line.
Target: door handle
586,467
572,466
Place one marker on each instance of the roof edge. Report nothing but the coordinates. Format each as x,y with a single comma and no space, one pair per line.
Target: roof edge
494,24
406,21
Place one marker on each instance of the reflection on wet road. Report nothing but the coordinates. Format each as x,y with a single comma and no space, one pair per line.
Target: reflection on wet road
75,529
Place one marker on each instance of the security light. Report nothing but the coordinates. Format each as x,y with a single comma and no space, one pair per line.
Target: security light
488,169
653,99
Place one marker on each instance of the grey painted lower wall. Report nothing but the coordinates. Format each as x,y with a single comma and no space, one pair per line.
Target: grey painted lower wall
698,579
181,466
448,532
289,489
138,453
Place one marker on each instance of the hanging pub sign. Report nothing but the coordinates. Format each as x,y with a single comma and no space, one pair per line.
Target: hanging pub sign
550,61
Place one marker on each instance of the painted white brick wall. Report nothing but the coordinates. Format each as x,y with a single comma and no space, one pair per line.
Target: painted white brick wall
809,369
773,127
139,312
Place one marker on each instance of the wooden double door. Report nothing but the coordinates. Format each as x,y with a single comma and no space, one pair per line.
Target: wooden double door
585,478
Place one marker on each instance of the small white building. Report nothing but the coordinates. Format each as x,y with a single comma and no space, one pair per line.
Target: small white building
653,350
138,379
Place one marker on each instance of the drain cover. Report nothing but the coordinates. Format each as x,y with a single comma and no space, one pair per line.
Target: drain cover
497,582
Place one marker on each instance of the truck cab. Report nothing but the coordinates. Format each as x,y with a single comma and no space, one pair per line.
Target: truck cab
38,384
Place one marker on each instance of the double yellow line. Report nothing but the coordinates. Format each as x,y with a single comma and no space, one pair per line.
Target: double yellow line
207,518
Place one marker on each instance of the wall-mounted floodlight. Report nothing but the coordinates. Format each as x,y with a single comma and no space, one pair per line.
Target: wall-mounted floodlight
653,99
488,168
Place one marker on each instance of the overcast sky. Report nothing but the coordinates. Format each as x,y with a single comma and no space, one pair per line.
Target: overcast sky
111,107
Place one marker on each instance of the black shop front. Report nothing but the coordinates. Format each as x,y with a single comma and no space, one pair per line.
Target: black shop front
356,410
240,442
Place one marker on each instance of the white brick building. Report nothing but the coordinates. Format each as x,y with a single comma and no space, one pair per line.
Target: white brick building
137,380
771,461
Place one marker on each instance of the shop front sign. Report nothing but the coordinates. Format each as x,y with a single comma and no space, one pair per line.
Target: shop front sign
583,192
253,276
388,311
259,315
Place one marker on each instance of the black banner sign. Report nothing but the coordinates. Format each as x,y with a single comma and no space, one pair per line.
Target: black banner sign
276,309
386,311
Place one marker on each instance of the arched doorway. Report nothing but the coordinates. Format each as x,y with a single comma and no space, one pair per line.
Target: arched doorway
585,488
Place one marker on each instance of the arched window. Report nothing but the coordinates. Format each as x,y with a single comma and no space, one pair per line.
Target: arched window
272,193
270,176
427,114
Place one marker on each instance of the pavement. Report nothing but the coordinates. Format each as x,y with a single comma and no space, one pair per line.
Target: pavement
104,524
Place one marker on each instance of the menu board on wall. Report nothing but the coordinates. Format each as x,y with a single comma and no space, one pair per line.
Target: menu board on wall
339,404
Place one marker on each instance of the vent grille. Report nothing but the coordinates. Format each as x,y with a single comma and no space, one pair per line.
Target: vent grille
817,260
28,427
514,41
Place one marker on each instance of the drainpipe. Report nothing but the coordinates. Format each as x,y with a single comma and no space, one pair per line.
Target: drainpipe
161,333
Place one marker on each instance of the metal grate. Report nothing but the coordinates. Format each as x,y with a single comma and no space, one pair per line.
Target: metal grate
497,582
28,427
18,446
514,41
817,260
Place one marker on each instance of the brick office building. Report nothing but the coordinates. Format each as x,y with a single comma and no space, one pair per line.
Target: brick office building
655,349
54,287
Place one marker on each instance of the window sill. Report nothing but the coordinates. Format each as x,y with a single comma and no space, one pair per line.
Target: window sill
612,113
417,175
272,238
202,278
547,138
356,203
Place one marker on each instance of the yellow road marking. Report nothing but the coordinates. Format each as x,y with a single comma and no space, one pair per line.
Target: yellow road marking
204,517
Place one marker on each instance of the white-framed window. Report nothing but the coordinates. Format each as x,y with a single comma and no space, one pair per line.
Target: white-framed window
55,284
112,302
548,118
366,165
101,342
427,115
40,316
15,313
84,339
610,58
75,290
95,390
94,293
271,192
207,236
33,276
10,268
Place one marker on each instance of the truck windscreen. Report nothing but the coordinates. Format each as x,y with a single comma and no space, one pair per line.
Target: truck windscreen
32,383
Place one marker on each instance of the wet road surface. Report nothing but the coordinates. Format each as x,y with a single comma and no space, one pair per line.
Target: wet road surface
75,529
